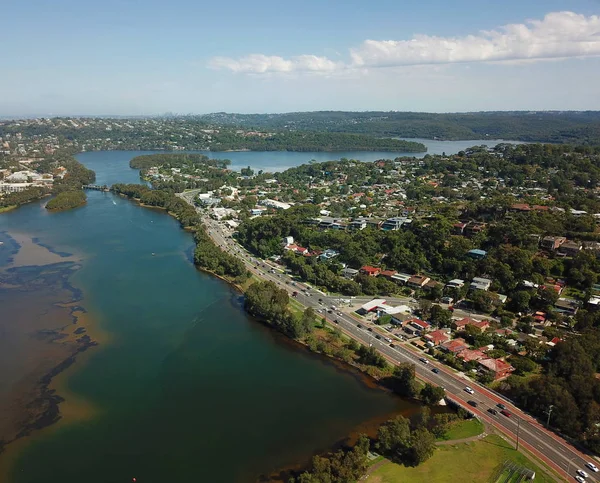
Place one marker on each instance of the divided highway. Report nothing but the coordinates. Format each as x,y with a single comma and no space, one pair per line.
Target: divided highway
545,445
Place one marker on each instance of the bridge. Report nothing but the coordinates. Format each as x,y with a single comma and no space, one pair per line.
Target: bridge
96,187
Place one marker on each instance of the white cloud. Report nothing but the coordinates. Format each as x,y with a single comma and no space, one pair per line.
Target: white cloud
260,64
558,35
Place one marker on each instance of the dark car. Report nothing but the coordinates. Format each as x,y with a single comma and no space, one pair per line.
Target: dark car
500,406
370,329
294,294
392,346
359,326
378,336
505,413
472,403
492,411
436,370
335,321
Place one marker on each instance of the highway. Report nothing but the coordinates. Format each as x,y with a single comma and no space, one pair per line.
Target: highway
532,436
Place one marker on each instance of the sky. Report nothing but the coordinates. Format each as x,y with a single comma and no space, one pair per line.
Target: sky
126,57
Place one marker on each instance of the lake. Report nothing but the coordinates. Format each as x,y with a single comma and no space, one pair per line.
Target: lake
183,385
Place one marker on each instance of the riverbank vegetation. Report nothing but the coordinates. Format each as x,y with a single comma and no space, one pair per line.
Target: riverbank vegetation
65,200
22,197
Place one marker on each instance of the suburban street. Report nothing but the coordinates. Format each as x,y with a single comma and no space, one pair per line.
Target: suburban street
532,436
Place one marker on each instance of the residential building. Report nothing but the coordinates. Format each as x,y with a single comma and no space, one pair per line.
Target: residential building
370,271
480,283
455,283
417,281
498,368
455,345
419,325
387,273
349,273
552,242
459,228
567,306
358,224
402,278
438,337
468,355
477,254
395,223
570,248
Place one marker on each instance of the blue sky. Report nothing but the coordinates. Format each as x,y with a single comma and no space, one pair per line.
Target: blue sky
125,57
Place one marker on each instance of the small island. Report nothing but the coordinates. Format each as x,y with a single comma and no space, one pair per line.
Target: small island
67,200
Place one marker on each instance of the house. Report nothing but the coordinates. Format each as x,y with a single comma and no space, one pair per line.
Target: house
455,283
438,337
520,207
455,345
387,273
402,278
498,368
417,281
328,254
570,248
477,254
567,306
432,284
349,273
419,325
552,242
359,224
257,211
287,240
370,271
473,229
297,249
594,302
458,228
395,223
482,325
468,355
480,283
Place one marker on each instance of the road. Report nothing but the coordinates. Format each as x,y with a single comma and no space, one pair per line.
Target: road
545,445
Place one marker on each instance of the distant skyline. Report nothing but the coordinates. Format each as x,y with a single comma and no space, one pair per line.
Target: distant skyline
118,58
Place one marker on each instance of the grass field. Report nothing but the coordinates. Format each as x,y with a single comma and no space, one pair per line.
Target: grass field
474,462
464,429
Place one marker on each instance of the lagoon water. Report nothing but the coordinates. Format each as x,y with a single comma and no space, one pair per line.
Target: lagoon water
184,386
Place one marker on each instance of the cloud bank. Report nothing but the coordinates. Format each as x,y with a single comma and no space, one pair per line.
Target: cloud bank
558,35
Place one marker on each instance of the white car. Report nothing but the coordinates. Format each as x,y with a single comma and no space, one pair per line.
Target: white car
582,473
469,390
592,467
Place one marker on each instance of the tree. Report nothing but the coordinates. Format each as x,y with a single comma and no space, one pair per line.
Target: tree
483,300
440,316
431,395
394,438
422,447
403,380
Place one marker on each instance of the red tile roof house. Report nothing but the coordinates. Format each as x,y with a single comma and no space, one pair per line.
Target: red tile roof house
297,249
455,345
370,271
387,273
460,324
496,367
438,337
468,355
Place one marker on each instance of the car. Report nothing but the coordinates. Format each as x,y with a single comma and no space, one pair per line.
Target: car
424,361
335,321
592,467
435,370
500,406
294,294
359,326
582,473
469,390
472,403
579,479
493,411
329,311
504,412
370,329
377,336
320,301
387,339
392,346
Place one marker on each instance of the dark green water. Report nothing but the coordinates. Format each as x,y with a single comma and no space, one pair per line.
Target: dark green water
189,389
